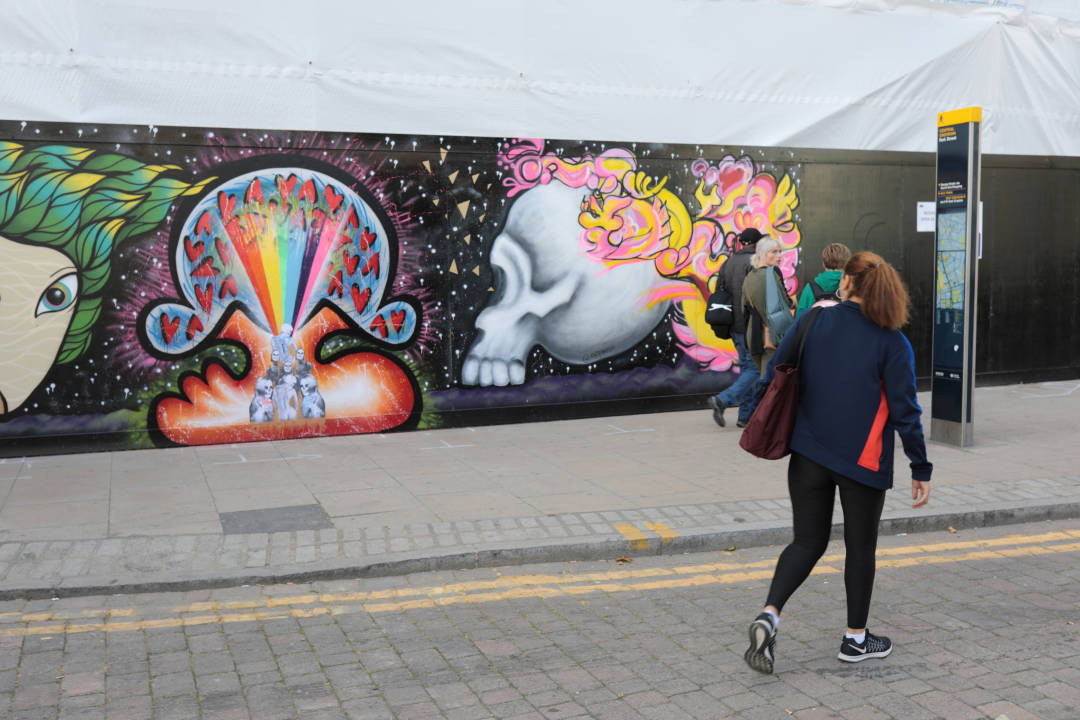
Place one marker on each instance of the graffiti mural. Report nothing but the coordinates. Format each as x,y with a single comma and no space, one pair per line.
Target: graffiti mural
188,286
596,251
281,260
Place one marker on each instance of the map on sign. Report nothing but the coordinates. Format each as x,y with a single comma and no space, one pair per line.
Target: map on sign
951,259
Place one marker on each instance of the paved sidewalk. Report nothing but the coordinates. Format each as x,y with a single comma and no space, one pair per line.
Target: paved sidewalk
325,508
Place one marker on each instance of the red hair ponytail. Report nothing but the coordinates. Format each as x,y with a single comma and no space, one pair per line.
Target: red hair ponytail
885,299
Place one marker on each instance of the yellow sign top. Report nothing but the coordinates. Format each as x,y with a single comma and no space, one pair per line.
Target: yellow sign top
956,117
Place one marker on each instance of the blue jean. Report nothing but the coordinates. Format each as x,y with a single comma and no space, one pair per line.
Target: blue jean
741,392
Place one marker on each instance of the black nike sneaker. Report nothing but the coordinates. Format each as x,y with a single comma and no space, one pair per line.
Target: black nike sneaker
874,646
760,654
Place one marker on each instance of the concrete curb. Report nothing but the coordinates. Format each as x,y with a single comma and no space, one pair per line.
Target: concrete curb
702,540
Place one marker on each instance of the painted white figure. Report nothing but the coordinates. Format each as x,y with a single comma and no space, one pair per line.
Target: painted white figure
262,405
312,404
285,393
549,292
283,344
273,370
303,367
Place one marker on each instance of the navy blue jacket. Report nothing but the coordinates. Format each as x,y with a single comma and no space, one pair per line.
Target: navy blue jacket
857,385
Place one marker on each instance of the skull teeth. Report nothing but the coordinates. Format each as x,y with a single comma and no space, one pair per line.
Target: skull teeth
486,372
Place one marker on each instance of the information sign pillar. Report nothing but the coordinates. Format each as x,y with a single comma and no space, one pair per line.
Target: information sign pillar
956,282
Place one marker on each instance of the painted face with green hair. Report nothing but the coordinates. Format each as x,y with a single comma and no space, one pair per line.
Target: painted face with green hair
31,331
63,213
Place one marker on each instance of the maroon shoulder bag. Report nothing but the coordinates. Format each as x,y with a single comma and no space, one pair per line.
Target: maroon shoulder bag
768,434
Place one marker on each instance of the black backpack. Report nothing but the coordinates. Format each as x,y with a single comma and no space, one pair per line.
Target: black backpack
822,297
719,312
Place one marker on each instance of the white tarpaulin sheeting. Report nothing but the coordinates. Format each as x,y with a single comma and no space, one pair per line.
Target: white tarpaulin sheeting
860,74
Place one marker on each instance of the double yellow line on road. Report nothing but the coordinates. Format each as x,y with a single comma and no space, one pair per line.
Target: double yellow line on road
518,586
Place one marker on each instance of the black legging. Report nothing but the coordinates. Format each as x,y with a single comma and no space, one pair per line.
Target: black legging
811,488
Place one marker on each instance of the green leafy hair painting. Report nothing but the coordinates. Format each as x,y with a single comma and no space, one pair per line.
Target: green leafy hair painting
64,212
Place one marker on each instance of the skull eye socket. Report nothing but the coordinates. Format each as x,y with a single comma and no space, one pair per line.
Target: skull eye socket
498,281
58,296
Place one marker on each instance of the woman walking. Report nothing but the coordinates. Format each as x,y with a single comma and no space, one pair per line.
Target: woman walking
857,385
760,336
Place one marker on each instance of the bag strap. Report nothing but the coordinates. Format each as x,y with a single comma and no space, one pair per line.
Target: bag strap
774,292
720,284
804,330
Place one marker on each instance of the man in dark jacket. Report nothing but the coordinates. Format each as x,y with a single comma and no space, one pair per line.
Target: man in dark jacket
733,272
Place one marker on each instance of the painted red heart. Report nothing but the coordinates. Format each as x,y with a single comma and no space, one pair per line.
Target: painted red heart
318,219
360,299
228,286
352,218
336,285
193,250
397,319
285,187
203,226
205,269
169,327
194,326
221,250
367,238
205,295
226,205
372,265
307,192
333,199
254,192
379,325
233,230
351,261
731,176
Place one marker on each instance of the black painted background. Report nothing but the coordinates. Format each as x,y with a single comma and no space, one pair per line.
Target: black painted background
1028,324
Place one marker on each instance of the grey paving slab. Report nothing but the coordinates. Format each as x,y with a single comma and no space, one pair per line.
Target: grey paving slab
475,497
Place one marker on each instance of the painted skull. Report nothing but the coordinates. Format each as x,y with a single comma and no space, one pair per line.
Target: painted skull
550,292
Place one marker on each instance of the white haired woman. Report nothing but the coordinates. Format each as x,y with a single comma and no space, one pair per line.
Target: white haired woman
761,337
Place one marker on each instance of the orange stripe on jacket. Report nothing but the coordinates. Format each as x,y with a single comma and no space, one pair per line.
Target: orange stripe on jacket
871,452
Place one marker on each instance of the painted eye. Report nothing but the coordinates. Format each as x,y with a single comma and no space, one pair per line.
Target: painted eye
59,295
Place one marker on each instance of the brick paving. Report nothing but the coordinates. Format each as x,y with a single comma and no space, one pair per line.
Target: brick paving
988,637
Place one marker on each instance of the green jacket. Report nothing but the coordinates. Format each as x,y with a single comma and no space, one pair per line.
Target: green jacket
828,280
